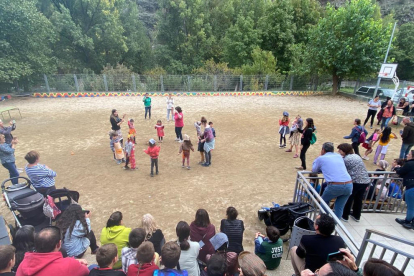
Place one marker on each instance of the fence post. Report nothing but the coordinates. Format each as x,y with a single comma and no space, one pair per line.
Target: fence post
105,83
162,83
188,83
241,83
215,83
46,83
356,85
76,82
291,83
266,82
134,84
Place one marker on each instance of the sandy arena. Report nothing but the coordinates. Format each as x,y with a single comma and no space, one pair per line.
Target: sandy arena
248,168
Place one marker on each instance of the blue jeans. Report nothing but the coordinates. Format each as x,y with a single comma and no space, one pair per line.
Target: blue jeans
148,110
409,200
12,171
341,193
405,149
384,122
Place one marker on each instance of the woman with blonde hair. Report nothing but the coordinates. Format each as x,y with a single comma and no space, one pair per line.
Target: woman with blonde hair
154,234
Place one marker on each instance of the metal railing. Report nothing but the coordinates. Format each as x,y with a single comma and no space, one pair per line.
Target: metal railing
384,194
396,254
304,192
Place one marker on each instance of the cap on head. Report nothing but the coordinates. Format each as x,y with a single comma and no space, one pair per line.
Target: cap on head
152,141
186,137
285,113
218,240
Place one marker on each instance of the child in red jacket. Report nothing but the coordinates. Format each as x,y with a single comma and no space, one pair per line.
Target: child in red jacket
153,151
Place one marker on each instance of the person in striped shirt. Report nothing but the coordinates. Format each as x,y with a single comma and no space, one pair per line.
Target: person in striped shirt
41,176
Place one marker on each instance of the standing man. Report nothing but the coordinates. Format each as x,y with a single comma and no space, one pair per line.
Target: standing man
339,181
407,136
147,104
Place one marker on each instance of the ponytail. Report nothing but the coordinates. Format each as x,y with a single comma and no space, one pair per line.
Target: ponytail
183,232
115,219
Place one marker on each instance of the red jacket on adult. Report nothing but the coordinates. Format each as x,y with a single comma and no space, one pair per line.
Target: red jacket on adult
198,233
48,264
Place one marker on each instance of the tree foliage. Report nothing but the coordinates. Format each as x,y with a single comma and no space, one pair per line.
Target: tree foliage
403,52
349,41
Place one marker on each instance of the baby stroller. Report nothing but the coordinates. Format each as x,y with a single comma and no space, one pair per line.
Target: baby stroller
283,217
62,198
25,203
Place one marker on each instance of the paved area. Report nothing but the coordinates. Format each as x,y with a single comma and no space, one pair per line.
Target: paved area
384,223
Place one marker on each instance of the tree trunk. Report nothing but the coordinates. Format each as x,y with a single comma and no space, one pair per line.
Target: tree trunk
335,82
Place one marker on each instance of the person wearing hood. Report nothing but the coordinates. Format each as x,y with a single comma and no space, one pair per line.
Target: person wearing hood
201,231
220,243
48,260
407,136
116,233
356,133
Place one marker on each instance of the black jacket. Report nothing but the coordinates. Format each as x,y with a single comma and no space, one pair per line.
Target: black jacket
408,134
407,173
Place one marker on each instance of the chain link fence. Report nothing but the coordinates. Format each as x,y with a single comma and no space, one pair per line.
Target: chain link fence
177,83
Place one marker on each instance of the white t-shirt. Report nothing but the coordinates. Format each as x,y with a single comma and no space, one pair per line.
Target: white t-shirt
170,103
188,259
377,104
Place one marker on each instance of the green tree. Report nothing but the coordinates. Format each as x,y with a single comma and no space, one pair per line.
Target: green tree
349,41
306,15
25,39
264,63
403,51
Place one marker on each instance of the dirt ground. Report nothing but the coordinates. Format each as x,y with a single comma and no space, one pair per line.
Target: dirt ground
248,169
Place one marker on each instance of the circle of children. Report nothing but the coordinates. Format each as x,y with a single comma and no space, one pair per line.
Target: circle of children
198,250
126,154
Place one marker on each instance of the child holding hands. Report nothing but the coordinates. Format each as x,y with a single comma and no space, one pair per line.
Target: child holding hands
185,148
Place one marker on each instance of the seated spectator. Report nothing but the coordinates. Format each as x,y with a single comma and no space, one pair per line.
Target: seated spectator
170,255
220,243
202,230
375,267
129,254
146,256
189,249
76,230
48,260
216,265
23,242
106,257
314,249
7,260
116,233
154,234
41,176
234,229
251,265
269,249
330,269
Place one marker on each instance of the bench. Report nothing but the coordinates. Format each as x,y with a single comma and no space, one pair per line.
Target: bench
8,109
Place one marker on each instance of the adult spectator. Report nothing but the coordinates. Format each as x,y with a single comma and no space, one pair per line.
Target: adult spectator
305,141
153,234
388,114
330,269
220,243
313,250
189,249
116,123
7,157
7,260
41,176
202,230
6,131
147,105
75,226
251,265
339,182
360,181
373,106
48,260
179,123
407,137
406,172
356,132
116,233
170,107
404,105
234,229
216,265
383,104
23,242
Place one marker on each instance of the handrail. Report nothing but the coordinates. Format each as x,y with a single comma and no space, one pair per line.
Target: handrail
388,236
317,200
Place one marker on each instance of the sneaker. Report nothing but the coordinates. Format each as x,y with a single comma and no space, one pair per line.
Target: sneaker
354,218
205,164
295,156
118,162
288,150
374,163
188,168
182,166
280,146
152,175
180,141
401,221
156,173
299,168
365,158
125,168
408,225
177,139
284,145
343,219
201,162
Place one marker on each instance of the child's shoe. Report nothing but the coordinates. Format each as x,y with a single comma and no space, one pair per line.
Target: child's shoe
182,166
280,146
152,175
156,173
125,168
118,162
188,168
177,139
